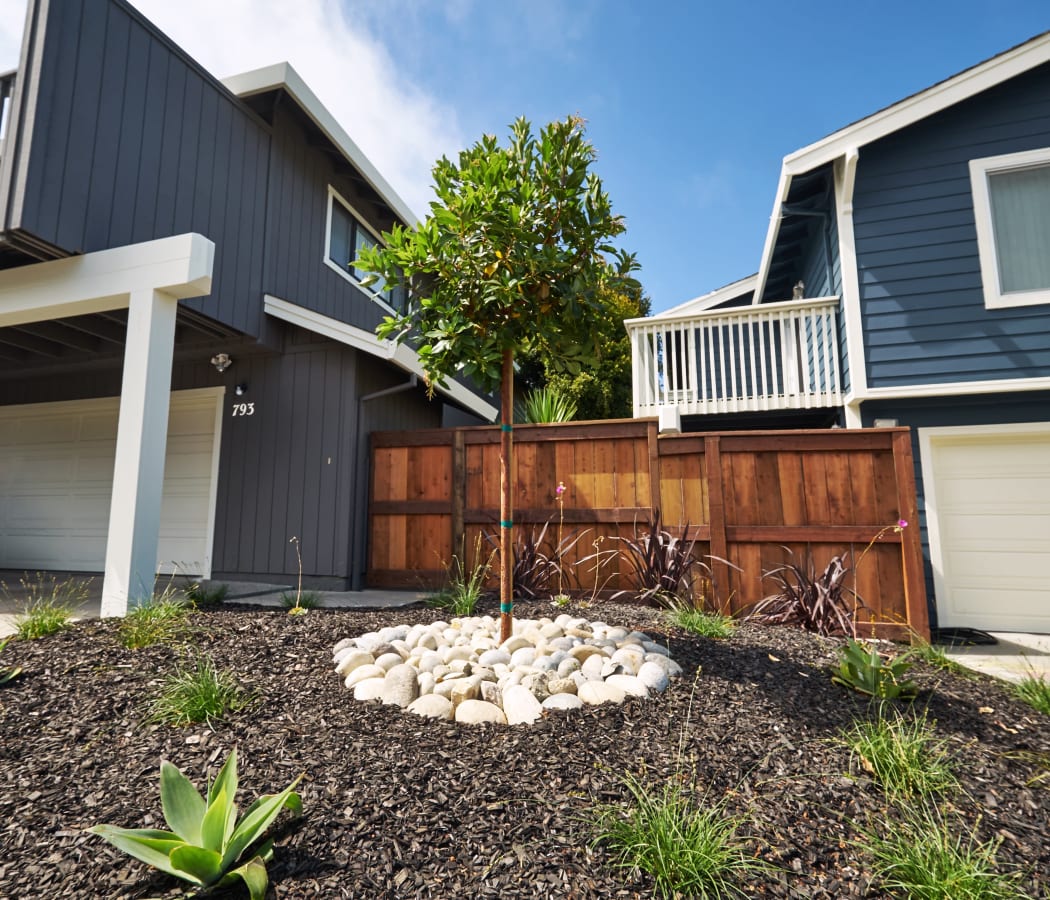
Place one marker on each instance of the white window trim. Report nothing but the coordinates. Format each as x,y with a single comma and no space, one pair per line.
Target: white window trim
334,196
980,170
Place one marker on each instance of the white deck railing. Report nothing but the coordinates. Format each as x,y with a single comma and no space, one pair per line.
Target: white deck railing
775,356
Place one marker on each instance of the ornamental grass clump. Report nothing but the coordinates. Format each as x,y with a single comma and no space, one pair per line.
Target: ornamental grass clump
207,840
926,857
700,622
48,604
162,620
903,754
198,692
687,848
1034,690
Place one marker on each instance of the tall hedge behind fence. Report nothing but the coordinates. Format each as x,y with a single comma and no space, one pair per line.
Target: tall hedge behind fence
746,495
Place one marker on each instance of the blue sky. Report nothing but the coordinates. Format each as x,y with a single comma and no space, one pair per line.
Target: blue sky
691,106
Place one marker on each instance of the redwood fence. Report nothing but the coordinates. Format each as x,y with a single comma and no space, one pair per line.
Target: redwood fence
745,495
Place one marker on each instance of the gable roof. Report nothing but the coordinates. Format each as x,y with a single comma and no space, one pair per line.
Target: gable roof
281,76
707,301
846,142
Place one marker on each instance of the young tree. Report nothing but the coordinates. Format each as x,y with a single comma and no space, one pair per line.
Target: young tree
511,259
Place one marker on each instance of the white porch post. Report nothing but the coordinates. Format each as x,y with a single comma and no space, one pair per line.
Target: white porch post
142,434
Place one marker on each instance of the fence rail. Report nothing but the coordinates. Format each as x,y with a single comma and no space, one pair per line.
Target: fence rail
745,495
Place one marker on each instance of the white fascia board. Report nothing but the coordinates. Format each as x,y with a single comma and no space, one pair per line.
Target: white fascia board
730,312
400,355
919,106
955,389
709,300
771,235
179,266
281,76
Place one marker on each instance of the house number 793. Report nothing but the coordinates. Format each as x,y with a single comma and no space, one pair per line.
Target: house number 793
244,409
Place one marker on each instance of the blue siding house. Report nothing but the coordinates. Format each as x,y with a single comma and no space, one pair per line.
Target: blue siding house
905,280
188,366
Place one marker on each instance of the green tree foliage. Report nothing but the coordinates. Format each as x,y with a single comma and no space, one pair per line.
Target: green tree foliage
514,256
601,390
511,259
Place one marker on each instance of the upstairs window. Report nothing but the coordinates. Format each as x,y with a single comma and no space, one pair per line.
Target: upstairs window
1011,202
347,236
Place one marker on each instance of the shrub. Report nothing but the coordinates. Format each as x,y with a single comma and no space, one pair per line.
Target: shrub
535,570
546,404
902,754
197,693
816,602
664,567
863,669
207,840
687,848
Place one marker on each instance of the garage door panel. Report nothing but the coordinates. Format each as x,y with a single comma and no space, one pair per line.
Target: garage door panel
988,496
55,498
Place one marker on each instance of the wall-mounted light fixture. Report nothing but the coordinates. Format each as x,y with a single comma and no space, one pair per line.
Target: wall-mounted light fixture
241,389
221,361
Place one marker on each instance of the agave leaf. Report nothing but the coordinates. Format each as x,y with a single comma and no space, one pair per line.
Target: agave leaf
183,807
204,865
213,825
150,846
226,779
258,818
253,874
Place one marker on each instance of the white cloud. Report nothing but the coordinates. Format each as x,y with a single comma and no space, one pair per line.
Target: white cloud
400,127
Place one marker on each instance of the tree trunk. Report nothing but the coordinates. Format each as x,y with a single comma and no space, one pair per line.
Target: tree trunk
506,505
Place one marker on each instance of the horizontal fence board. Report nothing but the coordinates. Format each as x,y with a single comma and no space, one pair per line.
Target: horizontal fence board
750,500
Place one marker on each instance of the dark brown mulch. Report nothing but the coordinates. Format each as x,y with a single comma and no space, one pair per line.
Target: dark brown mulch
398,806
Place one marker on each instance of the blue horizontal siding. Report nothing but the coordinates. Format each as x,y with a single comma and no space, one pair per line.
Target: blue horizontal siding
922,301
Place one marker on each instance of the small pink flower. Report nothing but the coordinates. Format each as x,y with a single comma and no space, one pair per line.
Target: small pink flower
560,489
902,523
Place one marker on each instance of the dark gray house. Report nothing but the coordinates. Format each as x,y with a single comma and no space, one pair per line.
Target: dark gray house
905,280
188,367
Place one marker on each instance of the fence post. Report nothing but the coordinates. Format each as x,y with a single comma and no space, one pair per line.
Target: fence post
652,443
459,496
911,542
717,516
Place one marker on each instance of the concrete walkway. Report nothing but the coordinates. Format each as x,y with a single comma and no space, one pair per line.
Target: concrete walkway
1014,656
13,596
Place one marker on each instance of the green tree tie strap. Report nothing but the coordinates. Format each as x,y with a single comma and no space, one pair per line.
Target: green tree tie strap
506,428
505,524
506,607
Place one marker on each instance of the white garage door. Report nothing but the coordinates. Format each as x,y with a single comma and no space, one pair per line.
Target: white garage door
56,476
988,509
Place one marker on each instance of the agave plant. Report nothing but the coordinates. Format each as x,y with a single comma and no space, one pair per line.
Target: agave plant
207,841
816,602
546,404
863,669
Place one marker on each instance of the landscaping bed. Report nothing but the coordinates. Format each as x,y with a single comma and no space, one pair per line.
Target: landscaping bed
400,806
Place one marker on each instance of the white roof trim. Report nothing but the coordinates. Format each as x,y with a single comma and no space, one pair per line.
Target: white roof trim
709,300
893,118
283,76
400,355
926,103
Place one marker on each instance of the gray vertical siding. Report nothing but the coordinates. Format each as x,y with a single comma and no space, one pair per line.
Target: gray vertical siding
920,279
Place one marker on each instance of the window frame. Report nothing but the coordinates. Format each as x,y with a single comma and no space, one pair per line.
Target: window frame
335,197
981,171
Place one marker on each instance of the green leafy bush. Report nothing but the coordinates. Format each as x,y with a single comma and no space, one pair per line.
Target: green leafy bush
207,841
863,669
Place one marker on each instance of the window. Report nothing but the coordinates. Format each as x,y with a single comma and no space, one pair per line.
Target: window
347,236
1011,203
